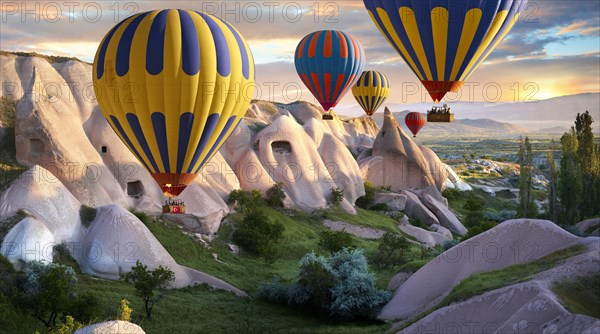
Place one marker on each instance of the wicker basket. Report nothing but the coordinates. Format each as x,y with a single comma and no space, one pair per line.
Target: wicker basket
440,118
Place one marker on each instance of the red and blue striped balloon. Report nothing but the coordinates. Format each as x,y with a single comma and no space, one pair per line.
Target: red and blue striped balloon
329,62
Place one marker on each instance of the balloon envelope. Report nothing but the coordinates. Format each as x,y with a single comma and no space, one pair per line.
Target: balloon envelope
415,122
329,62
444,41
371,90
173,84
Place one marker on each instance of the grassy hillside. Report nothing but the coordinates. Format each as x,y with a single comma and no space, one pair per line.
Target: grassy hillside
202,309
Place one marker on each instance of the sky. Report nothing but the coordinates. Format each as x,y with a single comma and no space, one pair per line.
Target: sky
553,50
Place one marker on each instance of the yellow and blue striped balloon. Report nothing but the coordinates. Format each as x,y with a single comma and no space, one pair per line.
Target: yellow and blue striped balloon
173,84
444,41
371,90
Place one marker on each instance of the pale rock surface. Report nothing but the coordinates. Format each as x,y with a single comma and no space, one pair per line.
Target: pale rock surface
589,224
111,327
417,210
39,193
357,231
338,161
238,152
435,166
107,248
397,280
394,201
29,240
292,158
40,137
446,217
428,238
396,160
512,242
529,307
454,181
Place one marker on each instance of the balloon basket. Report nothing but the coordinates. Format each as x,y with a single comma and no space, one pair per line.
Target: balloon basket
174,207
327,117
440,118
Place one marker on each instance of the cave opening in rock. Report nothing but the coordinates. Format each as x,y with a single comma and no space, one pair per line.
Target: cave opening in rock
36,146
104,149
135,189
281,147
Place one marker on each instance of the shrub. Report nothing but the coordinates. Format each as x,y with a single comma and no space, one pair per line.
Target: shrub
146,282
274,292
337,196
257,234
142,216
340,286
501,216
276,196
7,276
446,245
451,194
573,230
87,215
479,228
418,223
382,207
244,200
68,327
86,307
366,201
48,290
391,250
124,310
8,108
335,241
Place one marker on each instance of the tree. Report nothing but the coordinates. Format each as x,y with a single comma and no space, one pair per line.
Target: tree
337,196
553,208
570,184
48,290
146,282
335,241
366,201
474,206
526,205
588,162
258,235
275,196
391,250
245,200
340,286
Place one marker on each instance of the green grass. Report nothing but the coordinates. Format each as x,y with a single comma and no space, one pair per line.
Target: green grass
202,310
364,218
581,296
301,236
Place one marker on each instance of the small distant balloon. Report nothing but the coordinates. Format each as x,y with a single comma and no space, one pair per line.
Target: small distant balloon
415,122
371,90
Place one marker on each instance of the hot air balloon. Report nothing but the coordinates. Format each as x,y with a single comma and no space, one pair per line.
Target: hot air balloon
444,41
329,63
415,122
371,90
173,84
